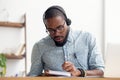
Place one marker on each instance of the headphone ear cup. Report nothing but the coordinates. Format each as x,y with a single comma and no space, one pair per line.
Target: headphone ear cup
68,21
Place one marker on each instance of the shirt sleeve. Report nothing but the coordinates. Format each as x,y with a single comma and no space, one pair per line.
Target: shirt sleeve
95,59
36,62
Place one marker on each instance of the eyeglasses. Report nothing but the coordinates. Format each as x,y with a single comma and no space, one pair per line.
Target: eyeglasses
59,29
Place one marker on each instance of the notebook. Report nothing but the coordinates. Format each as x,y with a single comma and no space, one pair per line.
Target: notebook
57,73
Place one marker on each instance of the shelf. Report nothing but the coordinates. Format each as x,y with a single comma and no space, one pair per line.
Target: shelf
12,24
13,56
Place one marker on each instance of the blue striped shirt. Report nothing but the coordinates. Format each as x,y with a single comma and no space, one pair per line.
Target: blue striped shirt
80,49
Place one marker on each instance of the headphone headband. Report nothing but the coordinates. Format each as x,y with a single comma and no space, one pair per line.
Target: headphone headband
68,21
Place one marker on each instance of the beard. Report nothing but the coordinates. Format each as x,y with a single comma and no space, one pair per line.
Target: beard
60,44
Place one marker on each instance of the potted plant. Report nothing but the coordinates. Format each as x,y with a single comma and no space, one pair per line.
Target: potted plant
2,65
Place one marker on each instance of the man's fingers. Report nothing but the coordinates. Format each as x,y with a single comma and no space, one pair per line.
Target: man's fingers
69,69
68,66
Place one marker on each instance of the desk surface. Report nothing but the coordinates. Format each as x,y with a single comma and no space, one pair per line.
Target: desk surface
56,78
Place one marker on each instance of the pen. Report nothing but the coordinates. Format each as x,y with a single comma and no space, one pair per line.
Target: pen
65,53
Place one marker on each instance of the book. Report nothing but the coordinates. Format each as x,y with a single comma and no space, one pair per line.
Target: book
57,73
21,49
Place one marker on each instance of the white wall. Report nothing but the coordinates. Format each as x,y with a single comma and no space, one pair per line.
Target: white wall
15,9
112,18
112,38
112,59
85,15
10,38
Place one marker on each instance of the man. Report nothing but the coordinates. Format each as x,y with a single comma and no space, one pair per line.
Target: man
64,49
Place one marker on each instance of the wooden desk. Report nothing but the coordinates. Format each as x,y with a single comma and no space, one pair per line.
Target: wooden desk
56,78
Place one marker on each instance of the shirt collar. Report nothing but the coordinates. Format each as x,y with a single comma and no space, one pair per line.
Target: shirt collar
70,36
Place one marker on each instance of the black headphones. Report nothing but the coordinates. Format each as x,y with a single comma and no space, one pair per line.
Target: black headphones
68,21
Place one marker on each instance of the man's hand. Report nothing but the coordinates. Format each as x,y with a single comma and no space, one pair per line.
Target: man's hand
69,67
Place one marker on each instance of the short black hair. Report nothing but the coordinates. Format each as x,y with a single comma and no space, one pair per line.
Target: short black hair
54,11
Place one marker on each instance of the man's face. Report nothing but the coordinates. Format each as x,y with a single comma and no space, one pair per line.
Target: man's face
57,28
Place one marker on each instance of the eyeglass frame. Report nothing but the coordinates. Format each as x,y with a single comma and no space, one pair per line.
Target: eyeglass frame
59,29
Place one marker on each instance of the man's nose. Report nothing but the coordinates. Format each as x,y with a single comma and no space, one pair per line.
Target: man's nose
57,33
